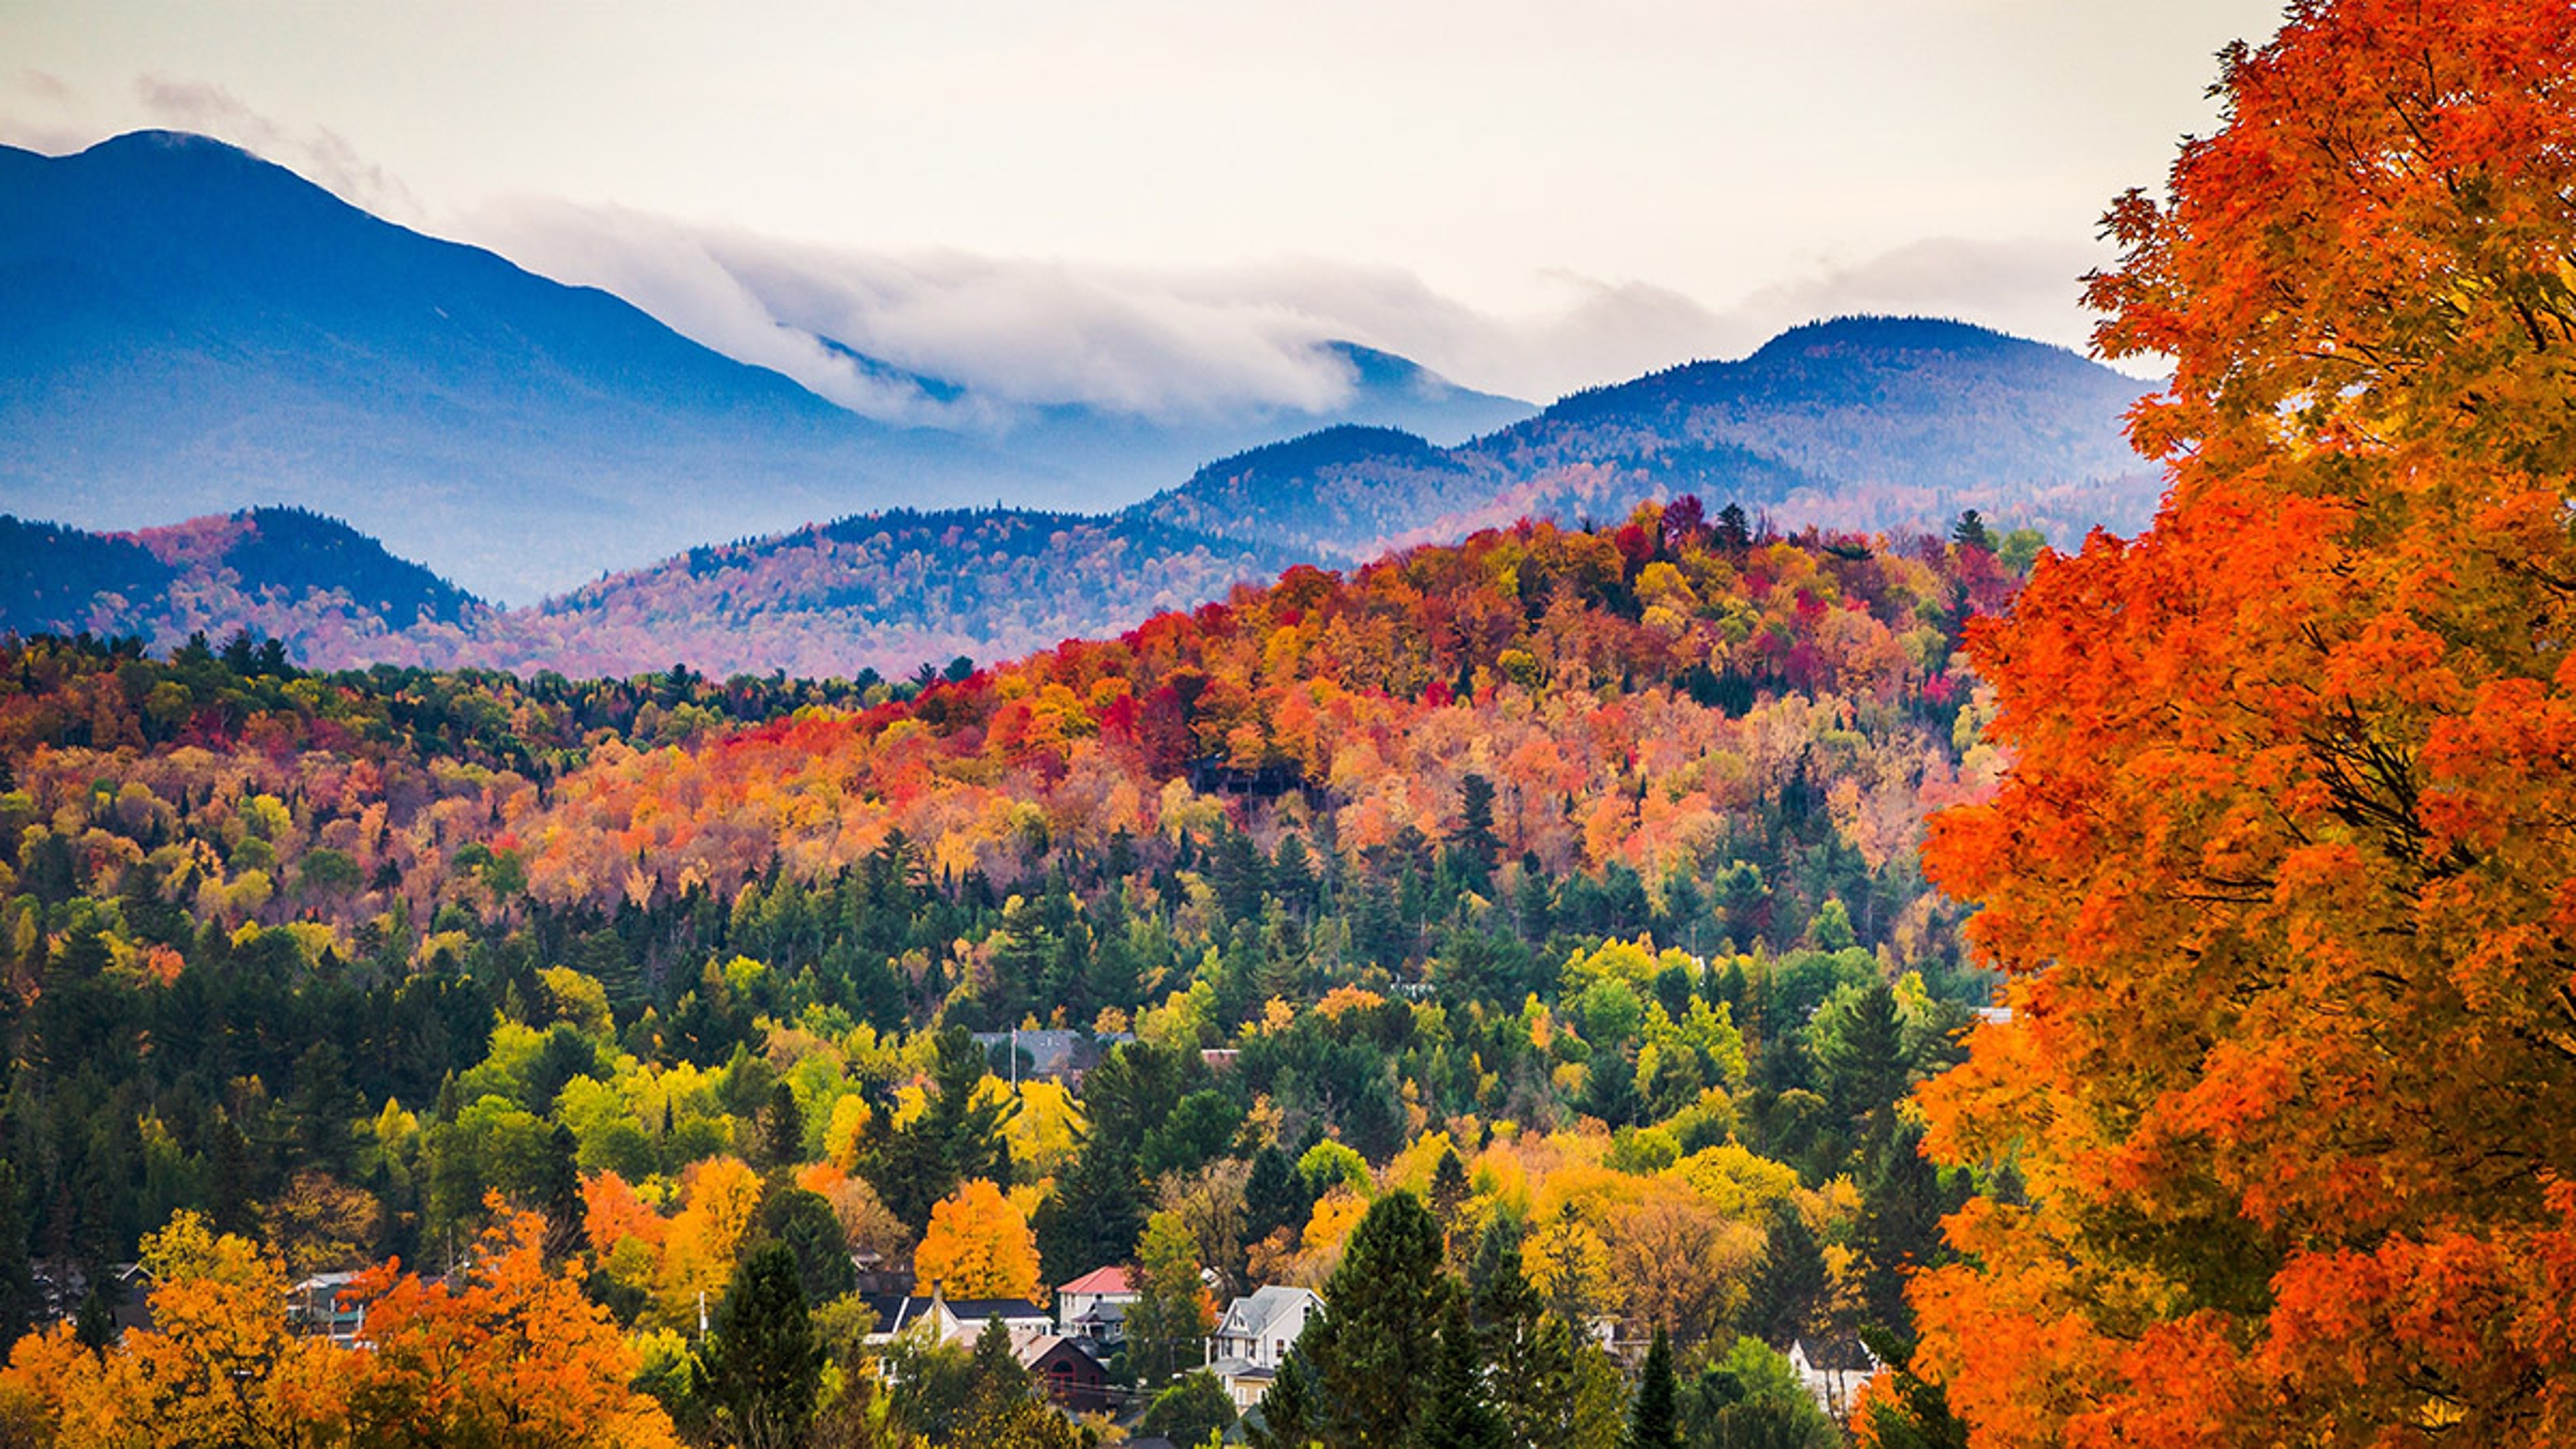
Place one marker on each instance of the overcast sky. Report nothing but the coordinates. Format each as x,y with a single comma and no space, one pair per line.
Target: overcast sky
1528,196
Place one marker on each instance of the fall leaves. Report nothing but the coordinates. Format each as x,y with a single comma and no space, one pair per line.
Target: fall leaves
2280,861
506,1353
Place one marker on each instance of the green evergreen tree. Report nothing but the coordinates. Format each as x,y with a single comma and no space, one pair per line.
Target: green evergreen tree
1789,1288
1288,1416
763,1361
1002,1410
1864,1061
566,1217
1902,1204
1374,1344
1456,1415
1507,1312
955,1137
805,1224
782,1128
1651,1419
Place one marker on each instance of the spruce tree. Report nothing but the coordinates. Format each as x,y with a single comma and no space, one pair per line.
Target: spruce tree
1651,1420
1789,1288
1457,1416
764,1363
1374,1344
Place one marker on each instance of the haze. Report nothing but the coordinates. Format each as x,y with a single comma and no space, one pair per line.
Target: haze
1040,199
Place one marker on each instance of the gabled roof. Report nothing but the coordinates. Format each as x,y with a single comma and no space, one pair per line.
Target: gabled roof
1112,1279
1253,1314
1842,1354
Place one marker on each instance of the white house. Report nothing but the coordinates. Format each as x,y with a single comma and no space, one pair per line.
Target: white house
1254,1338
1094,1306
1833,1371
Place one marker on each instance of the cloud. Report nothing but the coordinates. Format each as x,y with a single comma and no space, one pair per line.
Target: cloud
317,153
1174,344
1021,333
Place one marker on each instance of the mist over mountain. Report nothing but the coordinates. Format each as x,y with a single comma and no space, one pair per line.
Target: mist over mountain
186,329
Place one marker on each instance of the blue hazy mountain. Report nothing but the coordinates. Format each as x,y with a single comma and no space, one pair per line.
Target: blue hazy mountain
1859,423
186,329
1863,423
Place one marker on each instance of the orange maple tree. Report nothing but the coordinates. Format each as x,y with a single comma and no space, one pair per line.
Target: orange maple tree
978,1246
507,1352
2282,869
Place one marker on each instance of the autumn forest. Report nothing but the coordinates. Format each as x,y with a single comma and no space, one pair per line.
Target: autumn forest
1612,983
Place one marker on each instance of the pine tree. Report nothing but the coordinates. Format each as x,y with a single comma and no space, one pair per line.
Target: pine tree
1651,1420
1373,1346
764,1364
1456,1415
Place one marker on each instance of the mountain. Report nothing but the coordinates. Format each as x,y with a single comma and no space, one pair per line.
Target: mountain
883,591
1856,425
1103,455
331,591
1860,423
186,329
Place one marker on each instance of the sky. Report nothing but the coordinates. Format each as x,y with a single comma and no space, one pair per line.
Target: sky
1154,206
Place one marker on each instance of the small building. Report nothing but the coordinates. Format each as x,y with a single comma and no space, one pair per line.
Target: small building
1072,1374
1094,1306
1054,1054
1833,1369
320,1307
1255,1337
955,1321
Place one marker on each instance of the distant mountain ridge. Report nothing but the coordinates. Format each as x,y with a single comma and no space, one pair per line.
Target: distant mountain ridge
186,329
332,592
1860,423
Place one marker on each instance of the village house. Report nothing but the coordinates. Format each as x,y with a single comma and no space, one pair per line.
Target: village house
1833,1369
957,1321
1071,1371
1094,1306
1254,1338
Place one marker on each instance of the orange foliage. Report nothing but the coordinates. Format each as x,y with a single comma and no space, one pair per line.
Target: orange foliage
507,1353
2281,862
978,1246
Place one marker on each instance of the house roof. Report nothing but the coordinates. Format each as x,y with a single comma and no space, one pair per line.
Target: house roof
1037,1350
1254,1313
976,1310
1112,1279
1238,1370
1841,1354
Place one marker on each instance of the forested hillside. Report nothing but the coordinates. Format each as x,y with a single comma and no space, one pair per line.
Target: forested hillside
282,572
1861,423
1562,878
